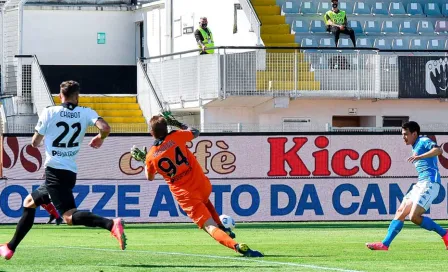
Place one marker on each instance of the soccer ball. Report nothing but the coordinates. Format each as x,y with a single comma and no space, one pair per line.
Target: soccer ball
227,221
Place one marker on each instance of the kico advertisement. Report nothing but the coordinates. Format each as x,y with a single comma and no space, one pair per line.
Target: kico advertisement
255,178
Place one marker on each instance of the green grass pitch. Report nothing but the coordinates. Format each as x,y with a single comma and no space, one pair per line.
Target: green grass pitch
337,246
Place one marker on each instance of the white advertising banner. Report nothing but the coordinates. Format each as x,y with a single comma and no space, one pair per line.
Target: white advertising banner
255,178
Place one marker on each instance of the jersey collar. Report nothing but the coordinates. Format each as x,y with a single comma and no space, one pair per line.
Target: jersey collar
416,141
69,106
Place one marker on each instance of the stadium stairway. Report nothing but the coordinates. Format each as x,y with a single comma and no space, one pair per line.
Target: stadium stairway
279,73
123,113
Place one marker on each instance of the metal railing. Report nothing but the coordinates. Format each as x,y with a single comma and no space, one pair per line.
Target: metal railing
12,38
254,21
184,78
243,128
278,71
41,95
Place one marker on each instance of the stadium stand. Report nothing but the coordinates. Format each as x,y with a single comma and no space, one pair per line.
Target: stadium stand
411,19
123,113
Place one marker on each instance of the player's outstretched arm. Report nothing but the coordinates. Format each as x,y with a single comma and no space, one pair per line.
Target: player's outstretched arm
193,130
104,128
434,152
173,122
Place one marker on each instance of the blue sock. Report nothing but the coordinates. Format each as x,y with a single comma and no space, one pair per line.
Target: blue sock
394,228
430,225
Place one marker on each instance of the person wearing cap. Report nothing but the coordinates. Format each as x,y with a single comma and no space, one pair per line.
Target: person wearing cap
336,22
204,37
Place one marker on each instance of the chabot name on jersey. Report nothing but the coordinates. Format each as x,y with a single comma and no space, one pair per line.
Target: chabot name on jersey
64,153
69,114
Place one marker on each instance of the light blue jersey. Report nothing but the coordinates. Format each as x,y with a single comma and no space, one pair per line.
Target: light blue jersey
427,169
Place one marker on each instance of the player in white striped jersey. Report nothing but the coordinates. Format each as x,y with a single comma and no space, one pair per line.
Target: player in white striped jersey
62,128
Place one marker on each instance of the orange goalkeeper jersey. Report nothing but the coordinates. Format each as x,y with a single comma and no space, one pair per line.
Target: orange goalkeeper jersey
178,166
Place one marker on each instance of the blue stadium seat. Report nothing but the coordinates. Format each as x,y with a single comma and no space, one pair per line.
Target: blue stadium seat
372,27
425,27
308,7
441,27
400,44
408,27
379,8
327,42
345,42
432,9
382,43
361,8
364,42
323,7
300,26
445,10
390,27
418,44
436,44
346,6
415,9
356,26
290,7
396,8
309,42
318,26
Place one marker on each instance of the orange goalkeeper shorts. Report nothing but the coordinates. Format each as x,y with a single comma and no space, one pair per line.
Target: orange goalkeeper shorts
193,203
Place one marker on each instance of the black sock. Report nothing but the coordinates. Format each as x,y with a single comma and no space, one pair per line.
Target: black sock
89,219
24,225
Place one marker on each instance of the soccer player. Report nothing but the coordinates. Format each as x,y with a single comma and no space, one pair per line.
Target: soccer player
170,157
419,199
64,128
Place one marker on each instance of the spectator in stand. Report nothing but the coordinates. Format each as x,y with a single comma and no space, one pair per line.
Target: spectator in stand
204,37
336,22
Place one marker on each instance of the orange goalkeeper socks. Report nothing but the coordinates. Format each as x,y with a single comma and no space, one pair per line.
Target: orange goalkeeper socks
213,212
223,238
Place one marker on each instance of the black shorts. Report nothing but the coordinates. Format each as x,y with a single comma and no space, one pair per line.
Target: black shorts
57,188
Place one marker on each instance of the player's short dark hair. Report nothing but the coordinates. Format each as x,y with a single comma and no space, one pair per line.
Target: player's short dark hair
159,127
412,127
70,88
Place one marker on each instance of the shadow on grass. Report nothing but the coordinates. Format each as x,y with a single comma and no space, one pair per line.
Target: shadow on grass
295,256
214,267
242,225
289,225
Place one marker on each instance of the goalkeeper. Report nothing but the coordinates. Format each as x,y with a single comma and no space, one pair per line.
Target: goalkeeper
170,157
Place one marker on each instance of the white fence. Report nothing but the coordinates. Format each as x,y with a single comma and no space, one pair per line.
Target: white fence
12,38
244,128
291,72
185,79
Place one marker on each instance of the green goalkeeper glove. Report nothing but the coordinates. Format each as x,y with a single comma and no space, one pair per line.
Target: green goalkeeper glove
137,154
171,121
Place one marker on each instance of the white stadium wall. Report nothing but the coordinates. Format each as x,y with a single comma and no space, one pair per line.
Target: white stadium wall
321,111
69,36
255,178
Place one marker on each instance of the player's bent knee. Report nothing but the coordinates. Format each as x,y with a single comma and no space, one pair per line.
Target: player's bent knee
415,218
29,202
68,217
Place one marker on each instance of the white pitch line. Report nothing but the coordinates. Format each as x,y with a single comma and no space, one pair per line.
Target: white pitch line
255,260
